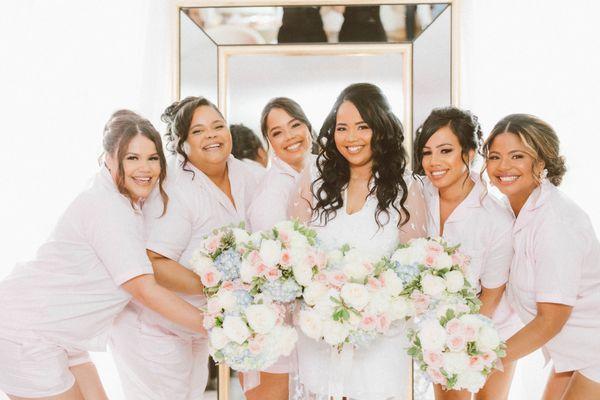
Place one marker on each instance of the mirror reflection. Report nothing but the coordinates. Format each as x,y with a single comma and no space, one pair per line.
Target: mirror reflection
315,24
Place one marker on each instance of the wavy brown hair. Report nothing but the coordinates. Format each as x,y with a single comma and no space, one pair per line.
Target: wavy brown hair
389,157
121,128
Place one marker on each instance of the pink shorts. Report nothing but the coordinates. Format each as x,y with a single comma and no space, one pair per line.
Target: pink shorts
35,368
155,363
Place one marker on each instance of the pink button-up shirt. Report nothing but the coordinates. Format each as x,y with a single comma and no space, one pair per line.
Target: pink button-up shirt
70,292
483,228
557,260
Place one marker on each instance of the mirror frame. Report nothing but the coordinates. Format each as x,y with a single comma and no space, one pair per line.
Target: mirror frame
225,51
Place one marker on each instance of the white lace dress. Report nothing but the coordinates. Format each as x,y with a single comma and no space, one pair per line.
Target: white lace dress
381,371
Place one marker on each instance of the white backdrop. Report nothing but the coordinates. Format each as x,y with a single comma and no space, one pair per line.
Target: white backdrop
66,65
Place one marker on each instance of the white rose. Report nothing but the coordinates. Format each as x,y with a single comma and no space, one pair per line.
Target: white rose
298,240
470,380
218,339
335,333
256,238
379,303
247,271
433,285
314,292
456,363
455,281
393,284
284,226
236,329
355,269
355,295
200,262
302,273
325,306
311,324
402,256
487,339
240,235
261,318
286,339
400,308
472,320
270,252
442,261
227,299
432,335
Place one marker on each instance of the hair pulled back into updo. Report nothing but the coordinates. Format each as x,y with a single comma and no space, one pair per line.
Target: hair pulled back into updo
539,138
178,117
119,130
462,123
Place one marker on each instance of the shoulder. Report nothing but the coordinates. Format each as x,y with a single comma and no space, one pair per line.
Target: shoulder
494,209
560,212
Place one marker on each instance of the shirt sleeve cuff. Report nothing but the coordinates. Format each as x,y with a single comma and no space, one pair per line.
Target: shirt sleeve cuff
164,250
134,273
558,298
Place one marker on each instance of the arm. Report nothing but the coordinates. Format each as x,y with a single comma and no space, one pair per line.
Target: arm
490,298
173,275
150,294
548,322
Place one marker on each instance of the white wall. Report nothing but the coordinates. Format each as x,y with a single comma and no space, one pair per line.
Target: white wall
65,67
540,58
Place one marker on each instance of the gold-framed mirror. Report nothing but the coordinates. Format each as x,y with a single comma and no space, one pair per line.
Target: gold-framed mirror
239,54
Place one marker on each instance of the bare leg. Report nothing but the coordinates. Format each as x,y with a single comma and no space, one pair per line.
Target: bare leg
88,380
557,384
441,394
497,386
72,394
272,387
581,388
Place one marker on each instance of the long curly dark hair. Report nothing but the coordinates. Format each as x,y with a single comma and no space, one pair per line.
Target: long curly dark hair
389,158
178,117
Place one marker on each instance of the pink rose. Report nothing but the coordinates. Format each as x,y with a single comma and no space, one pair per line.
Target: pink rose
227,285
210,277
421,302
456,342
436,376
337,279
430,259
284,237
434,248
321,277
369,266
470,333
286,258
213,244
374,283
455,327
461,260
433,359
261,269
255,258
273,274
368,322
476,363
383,324
320,260
489,357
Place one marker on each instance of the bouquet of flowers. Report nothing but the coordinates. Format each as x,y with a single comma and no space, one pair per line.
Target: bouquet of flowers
433,273
456,350
281,261
246,329
353,300
247,332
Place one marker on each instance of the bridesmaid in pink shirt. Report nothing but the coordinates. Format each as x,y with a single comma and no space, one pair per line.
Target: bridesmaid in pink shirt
56,308
287,130
208,188
554,281
463,212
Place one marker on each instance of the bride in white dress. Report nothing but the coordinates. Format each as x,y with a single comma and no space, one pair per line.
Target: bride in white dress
360,194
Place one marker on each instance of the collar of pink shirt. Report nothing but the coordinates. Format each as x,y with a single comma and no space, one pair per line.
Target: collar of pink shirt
536,199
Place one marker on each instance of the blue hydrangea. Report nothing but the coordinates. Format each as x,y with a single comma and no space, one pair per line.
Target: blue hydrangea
406,273
228,263
244,299
361,338
282,290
